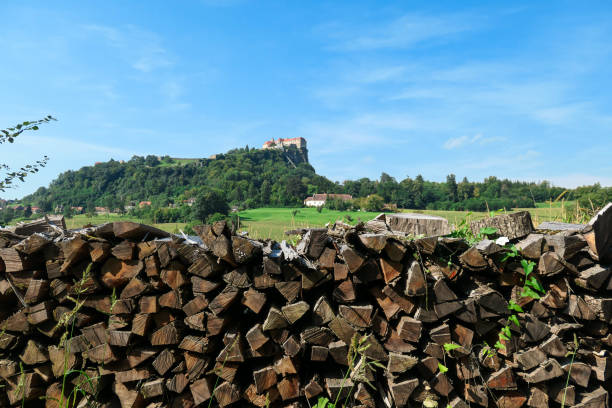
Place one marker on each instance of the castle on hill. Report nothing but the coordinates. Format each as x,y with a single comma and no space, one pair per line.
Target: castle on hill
298,142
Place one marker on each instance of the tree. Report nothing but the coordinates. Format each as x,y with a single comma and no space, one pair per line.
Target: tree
9,135
451,187
68,212
28,211
374,202
208,203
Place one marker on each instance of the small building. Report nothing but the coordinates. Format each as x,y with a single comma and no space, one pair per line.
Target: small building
102,210
144,204
189,202
318,200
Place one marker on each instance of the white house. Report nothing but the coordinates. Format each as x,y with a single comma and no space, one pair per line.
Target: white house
318,200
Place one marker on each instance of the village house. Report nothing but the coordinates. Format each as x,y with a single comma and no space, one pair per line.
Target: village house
318,200
144,204
102,210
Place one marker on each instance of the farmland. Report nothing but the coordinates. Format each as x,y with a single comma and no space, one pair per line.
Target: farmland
273,222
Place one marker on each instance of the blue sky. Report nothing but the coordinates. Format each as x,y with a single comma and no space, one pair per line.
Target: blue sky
514,89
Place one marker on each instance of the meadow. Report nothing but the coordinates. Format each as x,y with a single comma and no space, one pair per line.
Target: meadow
272,223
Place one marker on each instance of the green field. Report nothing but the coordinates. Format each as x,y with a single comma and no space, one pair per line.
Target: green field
272,223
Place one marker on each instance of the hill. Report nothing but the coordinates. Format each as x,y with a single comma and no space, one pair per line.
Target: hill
275,177
249,177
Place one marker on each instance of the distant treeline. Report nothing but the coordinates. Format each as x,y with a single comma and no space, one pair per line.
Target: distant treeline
251,178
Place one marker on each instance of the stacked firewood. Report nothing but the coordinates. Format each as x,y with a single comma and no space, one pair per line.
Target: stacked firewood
127,315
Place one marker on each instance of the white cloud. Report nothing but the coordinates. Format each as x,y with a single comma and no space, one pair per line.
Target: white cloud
404,32
457,142
140,48
381,74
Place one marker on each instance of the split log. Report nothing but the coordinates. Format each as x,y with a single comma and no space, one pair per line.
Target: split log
516,225
418,224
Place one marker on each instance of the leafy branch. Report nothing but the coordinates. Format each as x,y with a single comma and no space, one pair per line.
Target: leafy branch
9,135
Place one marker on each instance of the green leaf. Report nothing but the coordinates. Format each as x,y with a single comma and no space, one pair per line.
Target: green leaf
514,306
499,346
502,336
527,266
488,231
451,346
506,331
533,282
442,368
528,292
322,402
514,320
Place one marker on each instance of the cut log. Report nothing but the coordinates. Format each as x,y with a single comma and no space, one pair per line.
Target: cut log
418,224
373,242
400,363
472,259
409,329
345,292
289,388
598,234
401,391
415,280
512,226
579,373
116,273
531,246
201,390
391,270
224,299
352,258
502,379
548,370
295,311
13,260
34,353
124,251
357,315
168,334
565,246
254,300
264,379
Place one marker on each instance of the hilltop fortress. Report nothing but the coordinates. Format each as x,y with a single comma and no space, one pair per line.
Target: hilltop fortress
284,144
298,142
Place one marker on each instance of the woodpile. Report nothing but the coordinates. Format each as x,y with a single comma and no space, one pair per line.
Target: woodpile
124,315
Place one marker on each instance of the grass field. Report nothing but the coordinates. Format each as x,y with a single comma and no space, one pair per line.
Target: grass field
273,222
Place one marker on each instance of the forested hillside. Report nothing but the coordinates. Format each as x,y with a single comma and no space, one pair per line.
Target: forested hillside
248,177
251,178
